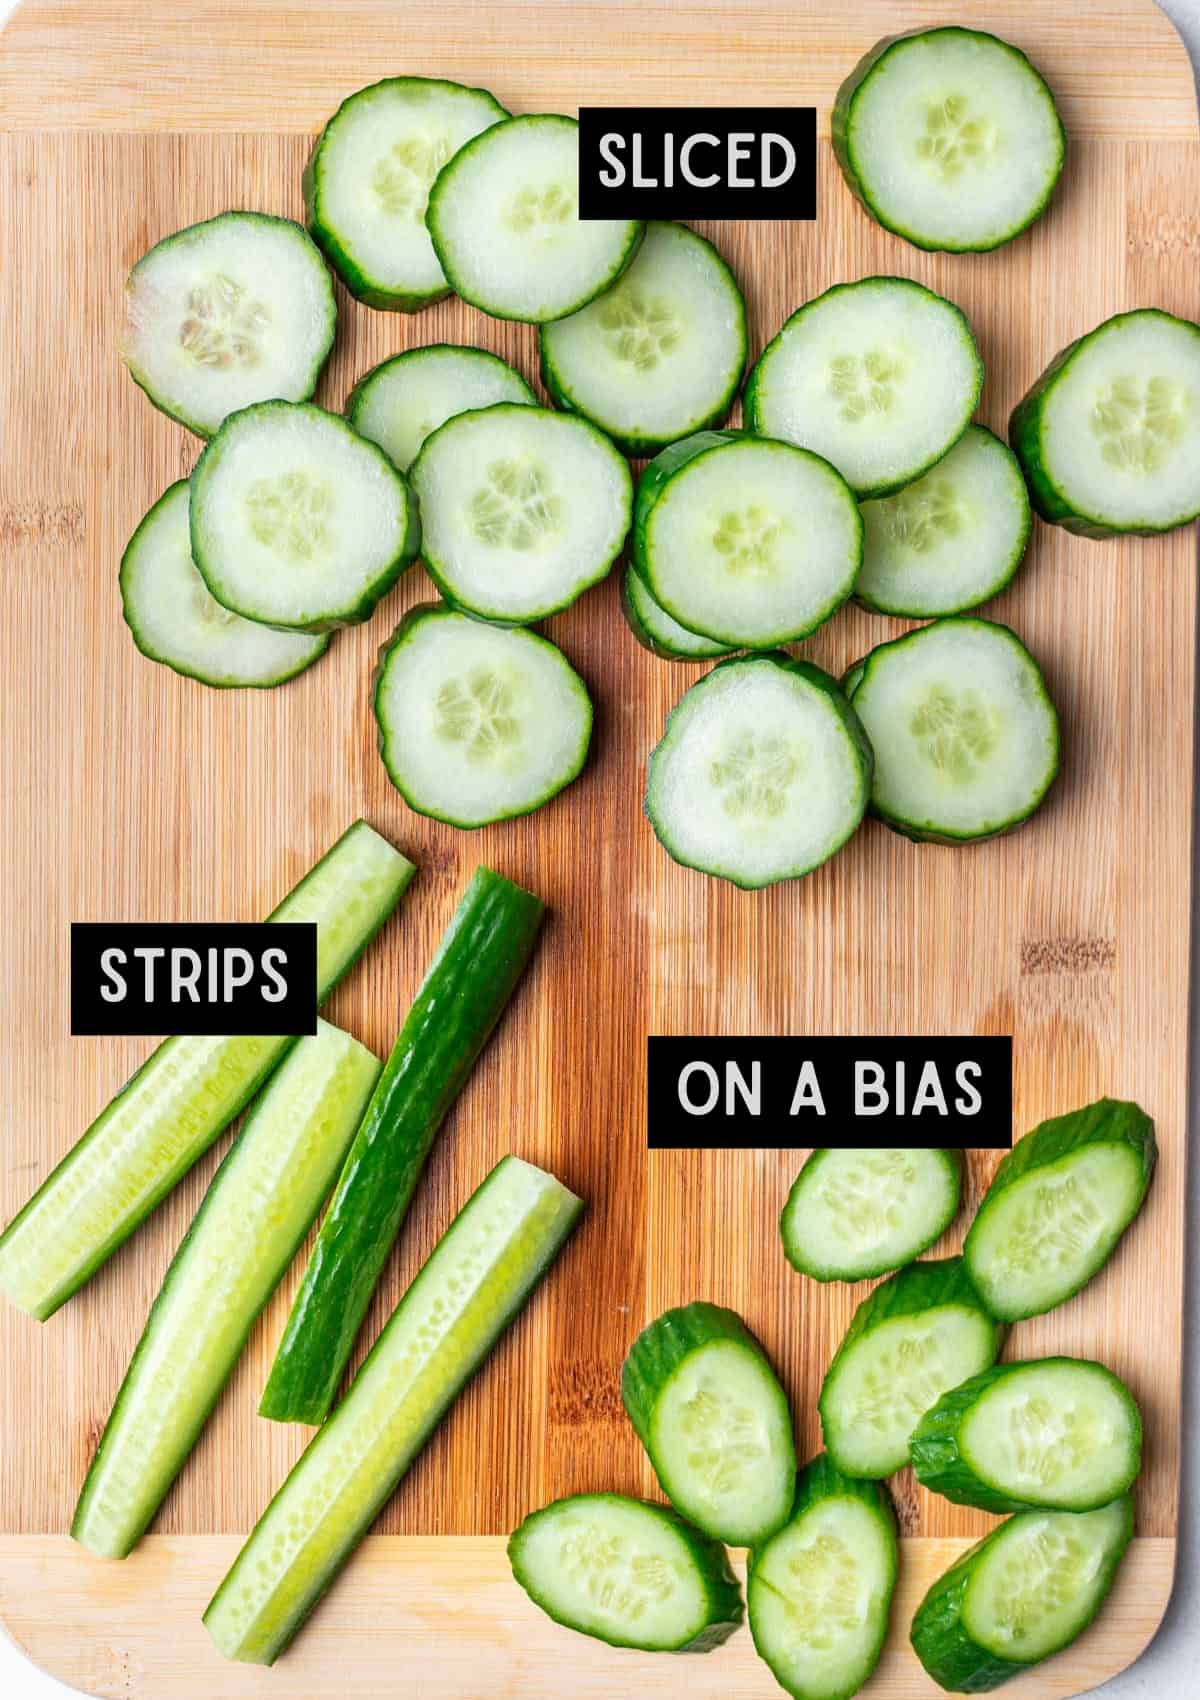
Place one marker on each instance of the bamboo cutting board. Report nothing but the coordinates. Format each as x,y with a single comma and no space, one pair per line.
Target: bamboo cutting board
130,793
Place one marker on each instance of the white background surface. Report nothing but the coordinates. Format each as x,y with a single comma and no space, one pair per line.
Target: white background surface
1170,1670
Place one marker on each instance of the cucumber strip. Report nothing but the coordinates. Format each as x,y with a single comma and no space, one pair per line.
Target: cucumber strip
367,182
477,723
661,353
880,376
184,1094
949,137
474,1282
710,1412
523,509
1109,435
964,733
236,310
953,539
1058,1204
763,771
747,542
1027,1590
852,1215
463,995
921,1332
655,629
174,620
627,1572
504,219
1058,1433
397,404
819,1592
254,1217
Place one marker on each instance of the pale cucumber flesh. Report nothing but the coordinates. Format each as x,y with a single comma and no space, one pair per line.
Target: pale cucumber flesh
1059,1433
858,1213
405,399
659,631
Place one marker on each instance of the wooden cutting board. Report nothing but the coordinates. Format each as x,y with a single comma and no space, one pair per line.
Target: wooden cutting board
131,793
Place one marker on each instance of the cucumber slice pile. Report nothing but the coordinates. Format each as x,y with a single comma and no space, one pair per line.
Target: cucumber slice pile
709,1410
522,510
763,771
1059,1202
656,631
880,377
504,219
1109,435
949,137
477,723
1059,1433
627,1572
964,734
398,403
747,542
820,1591
297,521
854,1214
952,539
367,183
661,353
226,313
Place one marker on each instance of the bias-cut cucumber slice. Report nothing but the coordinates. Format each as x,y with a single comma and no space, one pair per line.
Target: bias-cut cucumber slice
855,1214
922,1331
474,1282
949,137
1028,1590
952,539
711,1413
477,723
661,353
656,631
504,218
763,771
880,376
1109,436
175,620
522,509
1059,1433
367,183
750,543
964,734
398,403
627,1572
820,1591
255,1214
184,1094
297,521
1058,1204
233,311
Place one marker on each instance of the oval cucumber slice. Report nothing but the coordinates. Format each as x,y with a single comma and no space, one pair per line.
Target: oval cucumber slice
661,353
397,404
656,631
854,1214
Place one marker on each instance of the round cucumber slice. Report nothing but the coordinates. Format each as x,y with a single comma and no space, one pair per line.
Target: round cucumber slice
477,723
952,539
397,404
656,631
298,521
367,182
964,734
949,137
854,1214
880,376
661,353
1109,436
523,510
762,773
504,218
236,310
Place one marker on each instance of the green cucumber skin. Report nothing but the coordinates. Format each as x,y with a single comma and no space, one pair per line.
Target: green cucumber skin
466,988
841,117
1108,1121
941,1467
952,1658
725,1607
644,636
795,1254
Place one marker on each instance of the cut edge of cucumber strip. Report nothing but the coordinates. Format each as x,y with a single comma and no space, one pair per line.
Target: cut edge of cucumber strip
657,631
366,394
859,1214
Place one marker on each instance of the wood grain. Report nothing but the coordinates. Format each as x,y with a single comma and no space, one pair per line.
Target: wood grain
130,793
